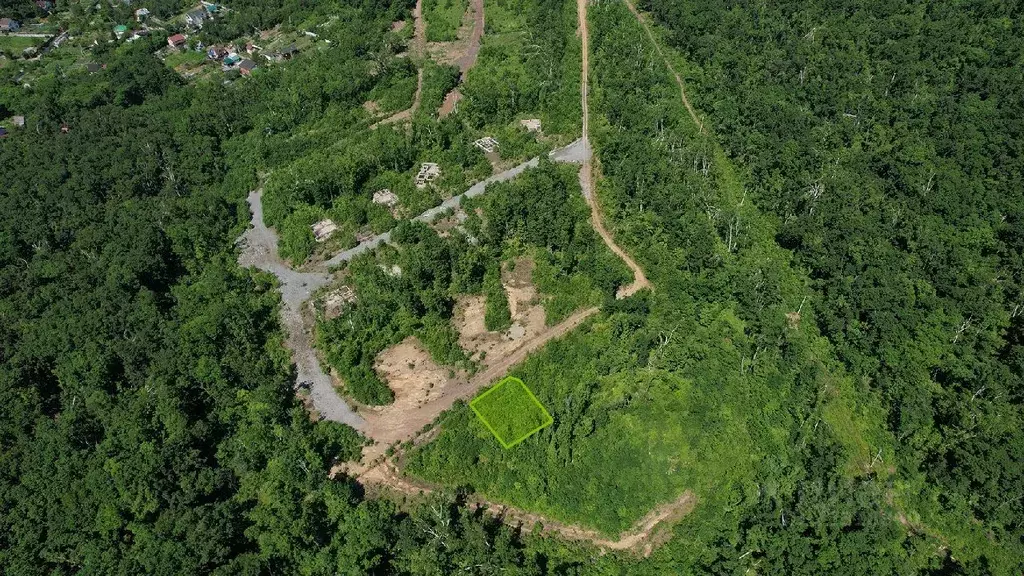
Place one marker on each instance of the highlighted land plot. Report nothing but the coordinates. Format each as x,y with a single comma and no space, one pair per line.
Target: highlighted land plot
511,412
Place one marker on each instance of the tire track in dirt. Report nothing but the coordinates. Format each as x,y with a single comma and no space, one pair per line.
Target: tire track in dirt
643,537
419,46
587,171
671,69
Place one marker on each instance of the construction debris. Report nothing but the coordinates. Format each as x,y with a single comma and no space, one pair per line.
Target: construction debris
531,124
335,301
487,144
386,197
323,229
429,172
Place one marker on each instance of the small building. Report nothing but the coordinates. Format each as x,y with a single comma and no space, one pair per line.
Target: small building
120,31
323,229
177,41
246,67
429,171
531,124
217,53
136,34
18,121
487,144
195,18
385,197
3,132
9,25
45,5
251,48
232,58
141,14
93,67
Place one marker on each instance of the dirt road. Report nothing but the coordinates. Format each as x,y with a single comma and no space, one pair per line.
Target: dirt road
387,427
468,59
419,48
679,79
643,537
587,171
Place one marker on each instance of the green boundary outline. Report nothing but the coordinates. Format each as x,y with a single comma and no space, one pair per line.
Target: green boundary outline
505,380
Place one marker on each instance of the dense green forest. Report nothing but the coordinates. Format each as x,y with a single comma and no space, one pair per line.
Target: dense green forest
830,360
886,142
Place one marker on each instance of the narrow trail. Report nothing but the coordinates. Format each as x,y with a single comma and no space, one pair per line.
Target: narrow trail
679,79
467,60
641,538
419,48
587,171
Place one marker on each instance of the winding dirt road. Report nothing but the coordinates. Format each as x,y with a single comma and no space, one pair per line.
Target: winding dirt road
587,171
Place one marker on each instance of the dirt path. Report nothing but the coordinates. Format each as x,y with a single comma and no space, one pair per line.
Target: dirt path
679,79
408,112
389,425
643,537
468,59
587,171
419,48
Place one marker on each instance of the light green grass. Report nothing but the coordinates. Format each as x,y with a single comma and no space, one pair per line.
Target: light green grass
443,19
511,412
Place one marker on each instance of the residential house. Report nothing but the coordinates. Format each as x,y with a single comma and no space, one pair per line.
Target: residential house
286,54
3,132
45,5
18,121
216,53
120,30
195,18
9,25
177,41
232,58
141,14
246,67
93,67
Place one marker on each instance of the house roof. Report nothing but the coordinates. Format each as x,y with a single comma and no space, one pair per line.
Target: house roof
247,65
177,38
93,67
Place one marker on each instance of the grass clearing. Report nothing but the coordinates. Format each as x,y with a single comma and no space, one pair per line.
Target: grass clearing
444,17
511,412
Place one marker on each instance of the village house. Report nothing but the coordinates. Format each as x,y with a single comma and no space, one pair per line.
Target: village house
8,25
429,171
141,14
177,41
3,132
45,5
323,229
93,67
246,67
18,121
216,52
195,18
120,30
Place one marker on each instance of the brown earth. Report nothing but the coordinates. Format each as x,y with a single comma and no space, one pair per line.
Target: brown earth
423,389
651,531
464,53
